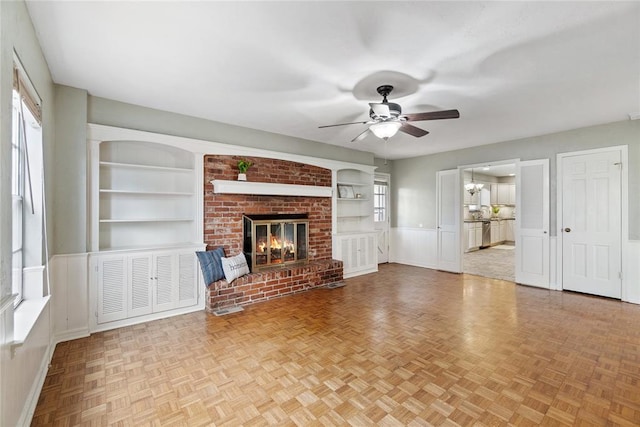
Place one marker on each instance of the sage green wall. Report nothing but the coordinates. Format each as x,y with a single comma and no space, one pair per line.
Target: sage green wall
382,165
113,113
413,184
70,168
19,372
76,108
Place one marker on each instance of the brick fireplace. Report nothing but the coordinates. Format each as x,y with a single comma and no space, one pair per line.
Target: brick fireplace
223,226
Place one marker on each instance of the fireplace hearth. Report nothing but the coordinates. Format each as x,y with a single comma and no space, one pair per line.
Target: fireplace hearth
275,239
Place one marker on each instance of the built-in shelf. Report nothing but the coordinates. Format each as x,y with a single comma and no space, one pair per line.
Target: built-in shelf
150,193
111,221
353,199
269,189
357,184
352,216
139,166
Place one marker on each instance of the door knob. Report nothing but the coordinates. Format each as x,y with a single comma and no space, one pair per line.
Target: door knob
567,230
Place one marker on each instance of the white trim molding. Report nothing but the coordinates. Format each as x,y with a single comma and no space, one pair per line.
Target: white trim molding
267,188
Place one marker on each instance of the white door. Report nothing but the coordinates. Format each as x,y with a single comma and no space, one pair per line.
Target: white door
381,215
448,219
591,223
187,279
112,287
532,223
139,285
165,289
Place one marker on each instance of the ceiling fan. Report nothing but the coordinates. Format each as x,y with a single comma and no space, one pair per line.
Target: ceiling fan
387,118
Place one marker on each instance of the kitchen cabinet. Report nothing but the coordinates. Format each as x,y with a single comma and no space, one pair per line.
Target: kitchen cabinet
503,230
473,235
511,233
495,232
512,194
503,194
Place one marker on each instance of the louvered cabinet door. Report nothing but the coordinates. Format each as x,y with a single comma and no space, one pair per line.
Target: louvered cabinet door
112,288
187,279
164,283
139,285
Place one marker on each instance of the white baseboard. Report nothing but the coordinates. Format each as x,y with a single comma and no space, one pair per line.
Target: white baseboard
70,335
34,394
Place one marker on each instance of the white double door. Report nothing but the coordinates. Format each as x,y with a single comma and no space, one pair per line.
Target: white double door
591,225
532,224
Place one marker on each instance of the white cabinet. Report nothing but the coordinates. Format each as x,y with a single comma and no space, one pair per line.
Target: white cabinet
503,194
510,230
357,253
139,283
495,232
473,234
143,195
354,241
503,230
512,194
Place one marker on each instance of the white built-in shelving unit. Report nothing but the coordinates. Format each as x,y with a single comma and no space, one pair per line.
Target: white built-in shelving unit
146,224
355,239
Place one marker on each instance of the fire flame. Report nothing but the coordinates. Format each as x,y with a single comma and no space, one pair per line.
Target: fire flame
277,244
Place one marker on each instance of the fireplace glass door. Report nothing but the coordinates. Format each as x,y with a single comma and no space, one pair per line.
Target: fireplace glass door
275,241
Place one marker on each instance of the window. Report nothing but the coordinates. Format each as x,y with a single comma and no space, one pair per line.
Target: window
380,201
26,183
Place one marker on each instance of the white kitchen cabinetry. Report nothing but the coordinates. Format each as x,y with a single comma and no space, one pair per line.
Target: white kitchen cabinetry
358,253
503,194
139,283
473,233
495,232
510,230
503,230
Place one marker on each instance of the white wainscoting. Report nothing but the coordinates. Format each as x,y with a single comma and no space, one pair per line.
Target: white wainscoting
414,246
69,296
554,281
631,277
24,367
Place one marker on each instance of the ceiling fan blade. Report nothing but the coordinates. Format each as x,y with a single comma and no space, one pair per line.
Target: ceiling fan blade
380,110
412,130
344,124
433,115
362,136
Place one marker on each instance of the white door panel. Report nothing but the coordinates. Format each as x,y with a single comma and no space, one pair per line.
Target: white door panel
448,207
591,223
532,224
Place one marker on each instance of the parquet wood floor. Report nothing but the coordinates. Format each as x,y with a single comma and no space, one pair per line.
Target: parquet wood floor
404,347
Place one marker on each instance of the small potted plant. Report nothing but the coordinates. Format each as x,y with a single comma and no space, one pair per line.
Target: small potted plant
495,210
243,166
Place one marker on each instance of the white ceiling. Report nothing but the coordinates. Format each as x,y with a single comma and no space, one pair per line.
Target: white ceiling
512,69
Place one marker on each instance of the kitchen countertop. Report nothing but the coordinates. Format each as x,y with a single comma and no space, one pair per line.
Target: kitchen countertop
489,219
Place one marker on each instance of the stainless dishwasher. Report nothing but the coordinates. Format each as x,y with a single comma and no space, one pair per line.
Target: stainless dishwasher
486,234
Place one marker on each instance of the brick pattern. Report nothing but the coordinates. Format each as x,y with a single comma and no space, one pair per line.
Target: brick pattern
263,286
223,227
223,212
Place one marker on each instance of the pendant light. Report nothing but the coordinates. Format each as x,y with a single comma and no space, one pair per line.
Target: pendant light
472,187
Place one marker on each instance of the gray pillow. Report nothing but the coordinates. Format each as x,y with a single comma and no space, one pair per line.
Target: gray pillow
211,265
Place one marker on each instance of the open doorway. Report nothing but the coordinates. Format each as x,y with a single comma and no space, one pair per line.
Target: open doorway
489,212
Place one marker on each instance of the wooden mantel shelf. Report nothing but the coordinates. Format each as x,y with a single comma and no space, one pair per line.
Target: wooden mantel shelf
270,189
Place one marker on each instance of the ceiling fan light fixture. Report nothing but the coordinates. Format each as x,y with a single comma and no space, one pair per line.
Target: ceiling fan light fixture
385,130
